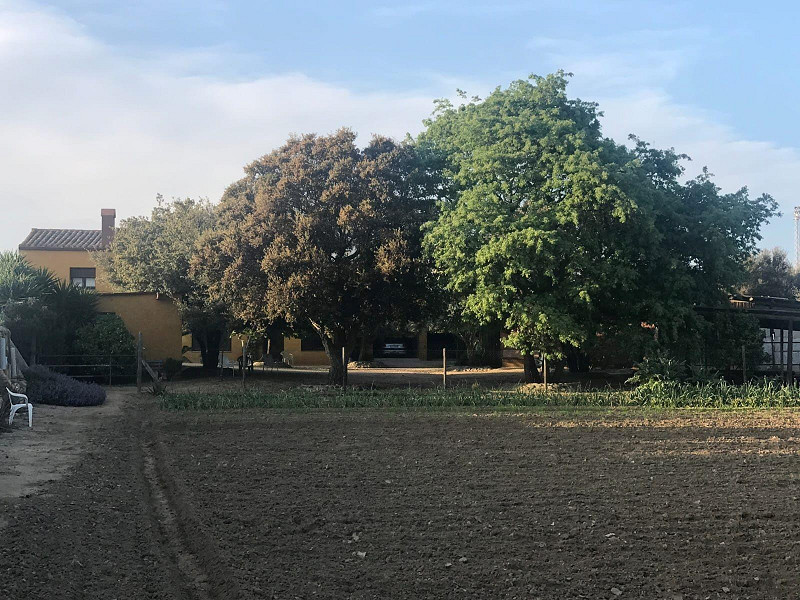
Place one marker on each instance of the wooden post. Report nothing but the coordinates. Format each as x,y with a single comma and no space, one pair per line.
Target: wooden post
789,352
780,348
772,344
344,368
12,355
139,359
244,361
109,369
444,368
744,364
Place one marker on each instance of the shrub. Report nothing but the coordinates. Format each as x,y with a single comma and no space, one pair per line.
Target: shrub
106,337
660,367
48,387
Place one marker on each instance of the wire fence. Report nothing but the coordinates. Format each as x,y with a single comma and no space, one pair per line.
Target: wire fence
95,367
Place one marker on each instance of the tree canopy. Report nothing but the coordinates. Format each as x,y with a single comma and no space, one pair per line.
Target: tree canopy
153,254
559,233
769,273
323,236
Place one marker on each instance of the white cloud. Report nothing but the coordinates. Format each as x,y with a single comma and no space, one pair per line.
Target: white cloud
763,167
82,127
629,77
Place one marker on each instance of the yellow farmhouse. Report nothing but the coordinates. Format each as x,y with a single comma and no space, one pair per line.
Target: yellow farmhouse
68,254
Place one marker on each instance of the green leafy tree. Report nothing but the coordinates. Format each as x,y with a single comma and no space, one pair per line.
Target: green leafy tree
324,236
769,273
153,254
559,234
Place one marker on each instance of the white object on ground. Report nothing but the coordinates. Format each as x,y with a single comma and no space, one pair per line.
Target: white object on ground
15,406
225,363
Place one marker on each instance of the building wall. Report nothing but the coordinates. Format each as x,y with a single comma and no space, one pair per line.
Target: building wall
156,318
193,356
307,358
60,262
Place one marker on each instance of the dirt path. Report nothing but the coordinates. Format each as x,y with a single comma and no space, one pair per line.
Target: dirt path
32,457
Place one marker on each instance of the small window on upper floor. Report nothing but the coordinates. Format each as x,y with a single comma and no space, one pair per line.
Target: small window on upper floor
83,277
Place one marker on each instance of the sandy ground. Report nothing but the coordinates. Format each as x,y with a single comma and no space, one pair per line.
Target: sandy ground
32,457
126,501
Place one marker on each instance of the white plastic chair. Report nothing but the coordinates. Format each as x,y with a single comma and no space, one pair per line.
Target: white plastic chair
19,405
226,363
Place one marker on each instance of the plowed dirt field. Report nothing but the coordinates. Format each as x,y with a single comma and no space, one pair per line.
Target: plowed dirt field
371,504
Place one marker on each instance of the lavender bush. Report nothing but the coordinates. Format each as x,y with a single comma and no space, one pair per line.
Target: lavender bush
48,387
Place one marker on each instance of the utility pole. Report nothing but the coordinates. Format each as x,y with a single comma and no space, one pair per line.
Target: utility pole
797,237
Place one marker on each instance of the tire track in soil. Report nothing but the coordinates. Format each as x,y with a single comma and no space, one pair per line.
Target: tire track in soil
191,572
193,554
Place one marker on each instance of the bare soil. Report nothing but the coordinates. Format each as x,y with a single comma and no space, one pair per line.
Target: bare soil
370,504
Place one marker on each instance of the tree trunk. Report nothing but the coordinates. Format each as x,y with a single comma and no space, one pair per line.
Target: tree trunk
337,372
365,352
209,342
532,374
577,361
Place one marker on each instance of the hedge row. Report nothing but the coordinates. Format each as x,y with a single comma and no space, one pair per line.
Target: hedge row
48,387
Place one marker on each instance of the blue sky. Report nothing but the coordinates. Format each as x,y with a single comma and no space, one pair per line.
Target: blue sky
107,104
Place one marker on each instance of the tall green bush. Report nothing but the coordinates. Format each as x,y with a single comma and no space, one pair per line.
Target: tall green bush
107,338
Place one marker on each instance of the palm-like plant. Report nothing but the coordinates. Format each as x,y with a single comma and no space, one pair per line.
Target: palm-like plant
36,305
20,280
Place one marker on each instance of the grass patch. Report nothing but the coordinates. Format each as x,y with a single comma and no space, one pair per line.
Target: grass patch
651,395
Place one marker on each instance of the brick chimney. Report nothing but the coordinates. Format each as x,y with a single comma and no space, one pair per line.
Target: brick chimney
108,218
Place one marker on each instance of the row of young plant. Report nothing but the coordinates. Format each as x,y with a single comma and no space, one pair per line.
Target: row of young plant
653,394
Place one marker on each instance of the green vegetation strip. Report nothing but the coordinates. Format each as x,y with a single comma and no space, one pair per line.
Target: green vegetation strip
652,395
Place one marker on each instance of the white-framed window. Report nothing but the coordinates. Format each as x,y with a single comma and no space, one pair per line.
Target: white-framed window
83,276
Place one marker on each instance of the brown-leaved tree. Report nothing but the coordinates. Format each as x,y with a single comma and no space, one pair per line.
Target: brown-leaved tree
323,236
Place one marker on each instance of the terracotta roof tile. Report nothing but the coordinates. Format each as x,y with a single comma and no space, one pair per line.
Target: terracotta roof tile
63,239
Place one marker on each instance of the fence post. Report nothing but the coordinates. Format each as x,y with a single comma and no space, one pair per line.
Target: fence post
744,365
444,368
344,369
139,363
544,369
245,347
790,354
